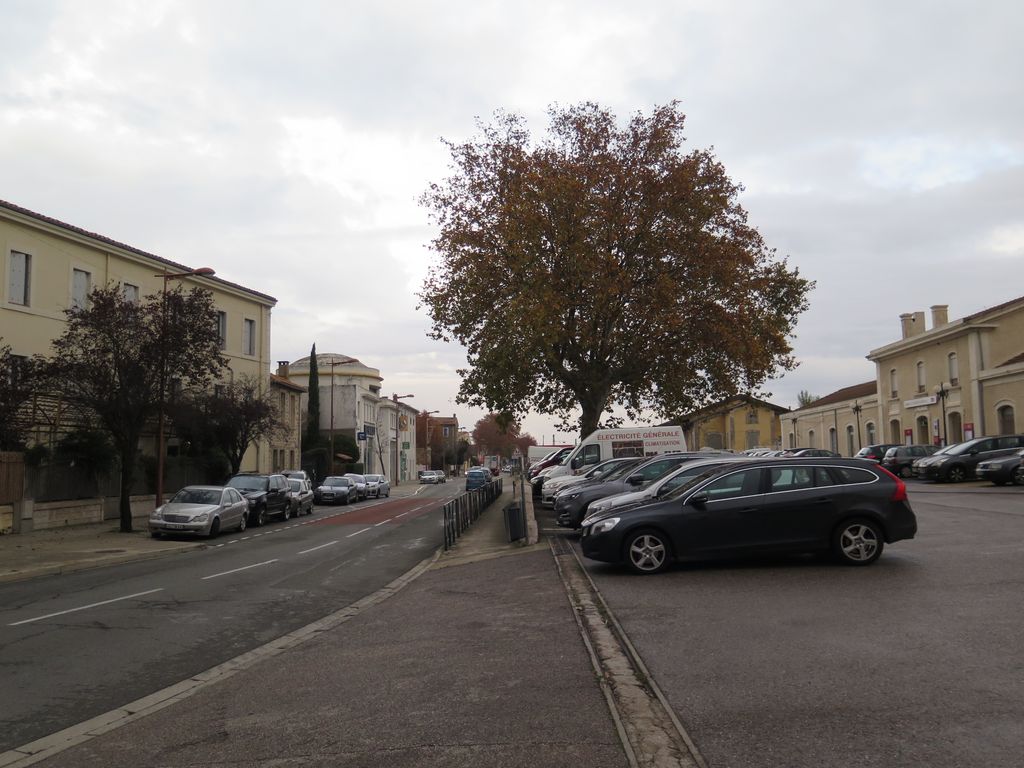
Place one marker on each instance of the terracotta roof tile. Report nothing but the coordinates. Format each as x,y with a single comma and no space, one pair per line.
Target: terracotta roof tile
866,389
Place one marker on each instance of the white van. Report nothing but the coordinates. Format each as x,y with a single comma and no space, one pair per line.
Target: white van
624,442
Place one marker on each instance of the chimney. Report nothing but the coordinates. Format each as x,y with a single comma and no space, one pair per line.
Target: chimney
905,325
917,324
940,315
282,368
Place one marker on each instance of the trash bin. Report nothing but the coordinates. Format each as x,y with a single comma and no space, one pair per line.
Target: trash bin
515,522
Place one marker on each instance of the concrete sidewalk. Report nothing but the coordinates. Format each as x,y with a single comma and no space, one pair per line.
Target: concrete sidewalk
476,662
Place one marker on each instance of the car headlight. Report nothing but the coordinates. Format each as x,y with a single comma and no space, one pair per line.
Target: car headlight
569,496
158,514
603,526
201,518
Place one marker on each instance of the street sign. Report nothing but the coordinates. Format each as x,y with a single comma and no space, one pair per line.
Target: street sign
360,436
405,445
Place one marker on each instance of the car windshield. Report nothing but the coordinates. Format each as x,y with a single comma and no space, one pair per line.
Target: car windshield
601,470
958,450
336,481
295,485
356,478
244,483
891,453
692,481
373,478
196,496
621,470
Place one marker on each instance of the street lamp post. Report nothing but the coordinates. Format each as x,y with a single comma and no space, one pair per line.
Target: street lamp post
330,469
856,412
942,393
160,449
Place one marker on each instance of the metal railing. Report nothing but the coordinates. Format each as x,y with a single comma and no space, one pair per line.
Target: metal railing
464,509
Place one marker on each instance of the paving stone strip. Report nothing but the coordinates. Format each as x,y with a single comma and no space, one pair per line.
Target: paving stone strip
652,735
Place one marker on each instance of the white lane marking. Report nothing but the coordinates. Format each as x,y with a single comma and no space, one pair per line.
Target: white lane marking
84,607
382,522
236,570
233,541
402,515
314,549
246,538
358,532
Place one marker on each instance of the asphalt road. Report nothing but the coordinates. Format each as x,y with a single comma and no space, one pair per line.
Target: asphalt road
913,661
78,645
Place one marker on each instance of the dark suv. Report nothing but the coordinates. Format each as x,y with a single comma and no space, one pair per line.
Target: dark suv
901,458
848,506
266,494
957,462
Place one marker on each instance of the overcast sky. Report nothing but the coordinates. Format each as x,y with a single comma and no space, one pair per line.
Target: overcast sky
881,145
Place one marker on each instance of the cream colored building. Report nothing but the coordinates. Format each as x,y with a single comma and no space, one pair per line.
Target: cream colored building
938,385
286,447
955,379
49,266
843,421
396,433
349,398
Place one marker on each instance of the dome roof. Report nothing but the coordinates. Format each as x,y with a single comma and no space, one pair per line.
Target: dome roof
343,365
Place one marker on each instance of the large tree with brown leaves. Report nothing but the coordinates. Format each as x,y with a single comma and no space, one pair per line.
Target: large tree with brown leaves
115,354
603,266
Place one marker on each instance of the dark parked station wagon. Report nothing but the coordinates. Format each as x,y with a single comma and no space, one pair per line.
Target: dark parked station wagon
846,506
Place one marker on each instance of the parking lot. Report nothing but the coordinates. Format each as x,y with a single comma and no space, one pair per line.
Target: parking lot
796,661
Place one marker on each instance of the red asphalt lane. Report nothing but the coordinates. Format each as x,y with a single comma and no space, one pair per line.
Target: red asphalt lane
412,507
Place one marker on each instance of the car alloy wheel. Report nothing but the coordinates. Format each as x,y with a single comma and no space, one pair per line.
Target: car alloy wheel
646,552
287,512
956,474
906,471
243,523
261,517
858,542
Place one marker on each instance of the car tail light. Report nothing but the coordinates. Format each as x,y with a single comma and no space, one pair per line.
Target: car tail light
900,494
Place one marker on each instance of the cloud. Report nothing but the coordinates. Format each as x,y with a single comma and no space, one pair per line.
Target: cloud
880,145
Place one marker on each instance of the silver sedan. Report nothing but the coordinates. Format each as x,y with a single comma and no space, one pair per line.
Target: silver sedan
203,510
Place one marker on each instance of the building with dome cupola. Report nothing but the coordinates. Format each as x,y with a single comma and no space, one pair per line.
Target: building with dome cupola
349,400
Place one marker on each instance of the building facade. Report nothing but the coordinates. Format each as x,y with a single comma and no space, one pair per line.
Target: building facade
736,424
349,394
843,421
286,445
49,266
396,435
955,379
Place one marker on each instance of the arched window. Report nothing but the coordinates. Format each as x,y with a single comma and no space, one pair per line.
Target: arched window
895,433
922,377
923,436
833,440
811,440
849,442
954,369
870,431
956,428
1007,425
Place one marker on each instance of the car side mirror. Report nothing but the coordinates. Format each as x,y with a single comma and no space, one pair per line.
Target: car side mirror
700,501
635,480
576,462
